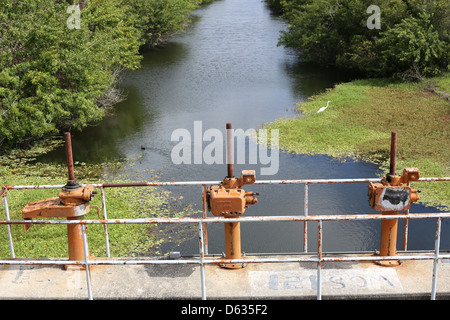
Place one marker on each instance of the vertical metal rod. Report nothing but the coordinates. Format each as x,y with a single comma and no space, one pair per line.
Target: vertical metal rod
11,244
436,259
305,224
85,249
393,161
319,264
405,232
205,225
405,229
69,155
202,257
230,157
319,281
108,254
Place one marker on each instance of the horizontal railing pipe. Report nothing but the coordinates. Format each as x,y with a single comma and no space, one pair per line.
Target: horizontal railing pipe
192,183
443,215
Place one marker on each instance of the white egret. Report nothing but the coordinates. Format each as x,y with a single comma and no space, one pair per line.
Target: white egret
323,108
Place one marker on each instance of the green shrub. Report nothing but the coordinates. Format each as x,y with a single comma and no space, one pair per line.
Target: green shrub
54,78
413,38
412,48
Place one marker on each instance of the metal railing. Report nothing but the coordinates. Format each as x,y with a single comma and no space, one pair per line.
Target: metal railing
202,223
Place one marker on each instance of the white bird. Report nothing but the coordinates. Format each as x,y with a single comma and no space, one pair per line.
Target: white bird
323,108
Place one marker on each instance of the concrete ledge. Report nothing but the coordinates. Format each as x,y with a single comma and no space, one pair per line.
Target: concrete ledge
343,280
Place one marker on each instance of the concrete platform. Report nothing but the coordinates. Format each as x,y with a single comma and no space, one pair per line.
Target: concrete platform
344,280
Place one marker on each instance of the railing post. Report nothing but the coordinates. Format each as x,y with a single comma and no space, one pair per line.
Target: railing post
305,212
319,263
436,259
205,225
102,190
202,257
11,244
406,228
86,256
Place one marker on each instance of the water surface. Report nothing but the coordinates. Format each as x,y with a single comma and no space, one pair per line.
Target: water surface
227,67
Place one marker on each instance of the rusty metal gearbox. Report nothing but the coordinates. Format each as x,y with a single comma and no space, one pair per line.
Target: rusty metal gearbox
228,199
394,192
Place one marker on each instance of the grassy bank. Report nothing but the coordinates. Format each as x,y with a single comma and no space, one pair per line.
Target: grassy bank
360,118
42,241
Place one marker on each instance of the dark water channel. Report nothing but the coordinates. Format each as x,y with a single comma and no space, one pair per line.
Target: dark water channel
227,67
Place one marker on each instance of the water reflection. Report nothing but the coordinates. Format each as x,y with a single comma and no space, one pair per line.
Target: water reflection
311,79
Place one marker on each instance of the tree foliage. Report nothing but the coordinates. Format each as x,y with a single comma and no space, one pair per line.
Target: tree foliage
413,47
413,39
54,78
